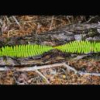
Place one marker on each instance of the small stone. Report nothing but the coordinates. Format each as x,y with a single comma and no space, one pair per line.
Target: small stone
78,37
2,62
10,61
96,38
98,30
89,39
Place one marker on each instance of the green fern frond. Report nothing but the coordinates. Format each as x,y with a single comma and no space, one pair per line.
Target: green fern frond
80,47
24,50
34,50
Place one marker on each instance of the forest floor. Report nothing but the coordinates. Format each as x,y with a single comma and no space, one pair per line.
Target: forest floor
21,26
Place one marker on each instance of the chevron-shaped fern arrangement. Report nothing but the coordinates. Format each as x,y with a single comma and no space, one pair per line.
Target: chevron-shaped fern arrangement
34,50
80,47
24,50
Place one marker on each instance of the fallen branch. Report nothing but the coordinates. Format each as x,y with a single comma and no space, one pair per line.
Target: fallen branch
80,72
35,68
39,67
4,68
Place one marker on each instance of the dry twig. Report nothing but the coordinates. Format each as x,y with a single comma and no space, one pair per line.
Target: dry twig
35,68
42,76
51,23
91,18
16,21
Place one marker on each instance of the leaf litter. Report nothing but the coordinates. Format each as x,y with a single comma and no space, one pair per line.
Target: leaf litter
10,27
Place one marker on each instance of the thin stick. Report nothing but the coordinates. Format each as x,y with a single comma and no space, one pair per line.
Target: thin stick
91,74
38,26
16,21
42,76
51,23
92,17
80,57
39,67
34,68
69,19
70,68
8,20
1,22
4,69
